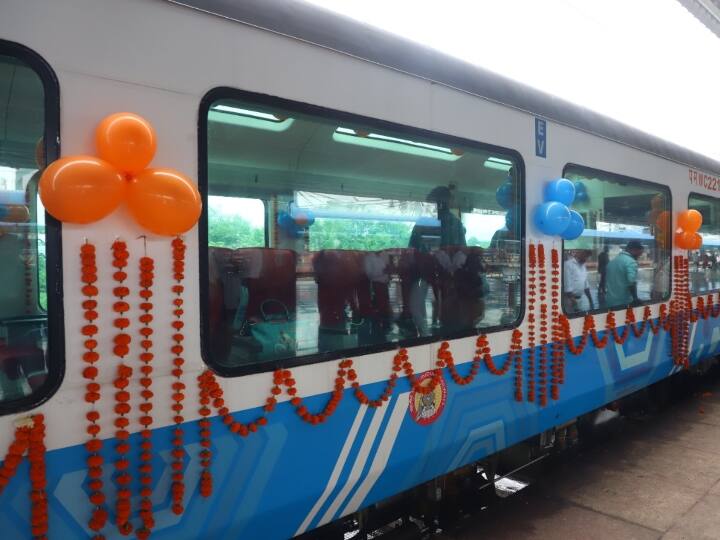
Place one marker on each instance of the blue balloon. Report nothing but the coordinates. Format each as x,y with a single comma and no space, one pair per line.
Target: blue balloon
503,195
581,196
561,190
575,228
580,188
552,217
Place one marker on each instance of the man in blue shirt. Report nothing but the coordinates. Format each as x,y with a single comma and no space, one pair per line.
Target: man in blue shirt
621,278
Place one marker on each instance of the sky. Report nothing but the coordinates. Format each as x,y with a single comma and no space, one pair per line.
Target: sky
647,63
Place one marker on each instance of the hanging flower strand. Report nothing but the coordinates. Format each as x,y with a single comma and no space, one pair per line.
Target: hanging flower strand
92,389
542,368
177,349
532,292
38,479
122,397
205,386
558,350
147,268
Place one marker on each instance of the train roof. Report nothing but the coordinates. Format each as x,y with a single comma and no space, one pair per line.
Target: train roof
312,24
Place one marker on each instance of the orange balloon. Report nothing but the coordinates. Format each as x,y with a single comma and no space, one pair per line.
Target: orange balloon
664,220
164,201
696,241
127,141
690,220
81,189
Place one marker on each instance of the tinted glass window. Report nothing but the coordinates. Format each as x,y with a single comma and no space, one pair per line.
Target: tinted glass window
374,236
23,295
622,257
705,262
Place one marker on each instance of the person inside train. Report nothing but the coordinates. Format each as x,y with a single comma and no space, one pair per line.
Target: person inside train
575,281
603,260
622,274
426,238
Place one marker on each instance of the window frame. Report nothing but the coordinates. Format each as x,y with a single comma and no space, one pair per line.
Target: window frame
219,93
55,355
717,200
621,178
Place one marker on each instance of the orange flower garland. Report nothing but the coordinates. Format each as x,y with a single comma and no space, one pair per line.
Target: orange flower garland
38,478
122,397
205,381
30,437
558,350
542,368
359,394
178,484
147,267
92,395
532,292
446,355
14,455
329,409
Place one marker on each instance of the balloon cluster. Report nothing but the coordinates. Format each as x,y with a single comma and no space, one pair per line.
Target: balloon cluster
84,189
295,221
554,216
686,235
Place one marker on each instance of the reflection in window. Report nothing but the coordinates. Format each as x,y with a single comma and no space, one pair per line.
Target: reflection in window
705,262
23,295
373,236
622,257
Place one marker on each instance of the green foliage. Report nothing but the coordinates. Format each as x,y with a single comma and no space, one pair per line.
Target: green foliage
358,234
233,231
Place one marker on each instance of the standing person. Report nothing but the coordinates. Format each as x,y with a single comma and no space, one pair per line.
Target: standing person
622,274
575,281
603,260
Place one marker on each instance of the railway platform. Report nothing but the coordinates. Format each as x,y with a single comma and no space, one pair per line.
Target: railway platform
647,477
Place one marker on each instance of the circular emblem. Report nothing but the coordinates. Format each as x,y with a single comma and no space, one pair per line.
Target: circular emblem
426,408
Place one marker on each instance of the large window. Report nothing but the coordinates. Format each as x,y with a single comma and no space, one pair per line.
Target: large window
622,257
705,262
28,131
350,235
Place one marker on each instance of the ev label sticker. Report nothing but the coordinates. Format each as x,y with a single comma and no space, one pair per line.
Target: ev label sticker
540,138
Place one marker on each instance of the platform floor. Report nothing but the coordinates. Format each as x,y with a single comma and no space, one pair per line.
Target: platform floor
655,477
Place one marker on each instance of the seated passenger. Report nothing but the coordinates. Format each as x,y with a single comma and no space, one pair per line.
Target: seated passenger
622,274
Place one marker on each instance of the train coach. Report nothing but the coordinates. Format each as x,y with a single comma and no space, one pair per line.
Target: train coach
265,268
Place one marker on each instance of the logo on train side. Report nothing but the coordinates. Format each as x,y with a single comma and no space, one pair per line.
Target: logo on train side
426,408
703,180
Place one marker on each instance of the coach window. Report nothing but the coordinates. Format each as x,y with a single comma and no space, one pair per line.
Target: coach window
28,118
361,235
705,262
622,257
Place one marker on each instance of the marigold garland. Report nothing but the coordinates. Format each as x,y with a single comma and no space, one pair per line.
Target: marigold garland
542,367
30,438
94,445
532,292
147,275
445,354
38,478
178,483
14,455
558,350
121,349
205,383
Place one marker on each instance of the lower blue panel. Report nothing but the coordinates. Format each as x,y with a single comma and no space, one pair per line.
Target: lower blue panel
291,477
